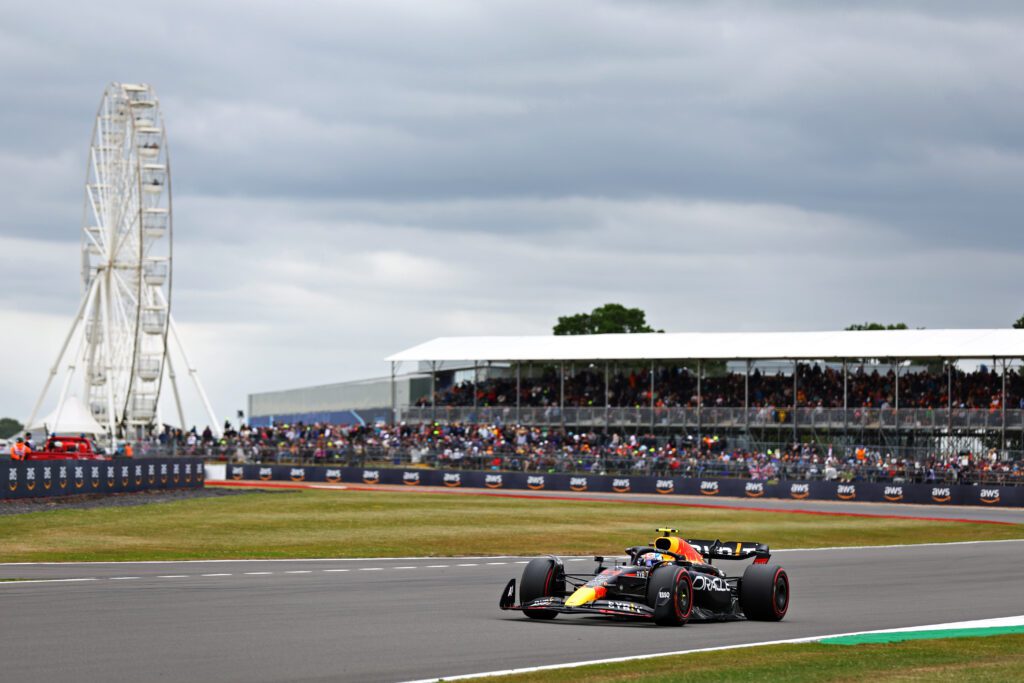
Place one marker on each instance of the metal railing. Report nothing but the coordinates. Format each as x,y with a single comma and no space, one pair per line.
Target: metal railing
931,419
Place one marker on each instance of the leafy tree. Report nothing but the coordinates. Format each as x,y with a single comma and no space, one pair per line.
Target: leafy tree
607,319
9,427
1019,325
876,326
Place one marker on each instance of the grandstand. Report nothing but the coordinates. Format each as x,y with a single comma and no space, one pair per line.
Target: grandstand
899,390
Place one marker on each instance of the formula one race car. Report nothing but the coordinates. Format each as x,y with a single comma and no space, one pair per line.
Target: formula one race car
671,582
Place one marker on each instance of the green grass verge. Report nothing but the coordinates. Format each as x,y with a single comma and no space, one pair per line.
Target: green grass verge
371,524
995,658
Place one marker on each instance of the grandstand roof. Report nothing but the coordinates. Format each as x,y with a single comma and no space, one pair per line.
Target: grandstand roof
999,343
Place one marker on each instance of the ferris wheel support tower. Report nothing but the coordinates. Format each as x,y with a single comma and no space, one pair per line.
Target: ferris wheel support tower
123,331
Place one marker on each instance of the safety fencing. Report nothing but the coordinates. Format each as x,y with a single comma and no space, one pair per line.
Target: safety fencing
935,494
926,419
76,477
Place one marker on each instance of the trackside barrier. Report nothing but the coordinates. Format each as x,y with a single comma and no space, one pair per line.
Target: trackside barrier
76,477
935,494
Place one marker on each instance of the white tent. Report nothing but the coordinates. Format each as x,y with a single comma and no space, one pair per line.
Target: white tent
74,418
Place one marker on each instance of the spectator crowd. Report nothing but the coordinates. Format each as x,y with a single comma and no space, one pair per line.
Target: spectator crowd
535,449
816,386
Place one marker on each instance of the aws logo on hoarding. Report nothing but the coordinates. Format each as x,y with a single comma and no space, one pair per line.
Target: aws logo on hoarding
163,473
411,478
665,486
753,489
111,476
452,479
942,494
621,485
709,488
333,476
151,474
12,479
126,475
177,473
989,496
237,472
893,494
30,478
297,474
79,477
138,475
94,477
371,476
47,478
62,478
578,484
266,473
535,482
493,481
188,473
799,491
846,492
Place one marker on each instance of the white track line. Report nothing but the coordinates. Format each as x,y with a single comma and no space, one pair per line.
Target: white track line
277,559
481,557
477,564
894,546
1003,621
19,583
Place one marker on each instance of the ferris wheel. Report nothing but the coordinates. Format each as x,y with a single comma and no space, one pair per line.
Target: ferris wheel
123,326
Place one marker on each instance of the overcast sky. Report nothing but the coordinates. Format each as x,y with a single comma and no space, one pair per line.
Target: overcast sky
353,178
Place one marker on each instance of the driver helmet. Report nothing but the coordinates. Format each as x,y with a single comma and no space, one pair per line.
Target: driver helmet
651,559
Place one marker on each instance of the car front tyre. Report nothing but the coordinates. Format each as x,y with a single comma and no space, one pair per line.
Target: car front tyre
543,577
670,593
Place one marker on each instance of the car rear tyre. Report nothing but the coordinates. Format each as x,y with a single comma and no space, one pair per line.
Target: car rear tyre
670,593
764,592
543,577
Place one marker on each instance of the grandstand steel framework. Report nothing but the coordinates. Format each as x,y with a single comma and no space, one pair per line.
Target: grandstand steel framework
950,426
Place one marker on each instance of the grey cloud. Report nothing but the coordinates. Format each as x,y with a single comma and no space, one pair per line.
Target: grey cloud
354,177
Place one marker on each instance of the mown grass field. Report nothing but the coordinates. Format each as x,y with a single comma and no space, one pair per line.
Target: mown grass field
376,524
995,658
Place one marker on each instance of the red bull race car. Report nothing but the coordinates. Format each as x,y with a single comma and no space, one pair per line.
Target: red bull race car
670,582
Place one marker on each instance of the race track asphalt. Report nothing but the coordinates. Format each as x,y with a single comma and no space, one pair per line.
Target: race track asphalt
401,619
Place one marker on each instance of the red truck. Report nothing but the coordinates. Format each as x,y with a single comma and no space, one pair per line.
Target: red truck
66,448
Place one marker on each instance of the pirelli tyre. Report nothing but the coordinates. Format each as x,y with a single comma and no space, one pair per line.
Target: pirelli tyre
764,592
670,594
543,577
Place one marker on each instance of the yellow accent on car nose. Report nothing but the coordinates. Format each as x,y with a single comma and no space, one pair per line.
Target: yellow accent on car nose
582,596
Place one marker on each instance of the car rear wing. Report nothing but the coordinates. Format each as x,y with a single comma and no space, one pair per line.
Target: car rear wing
731,550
